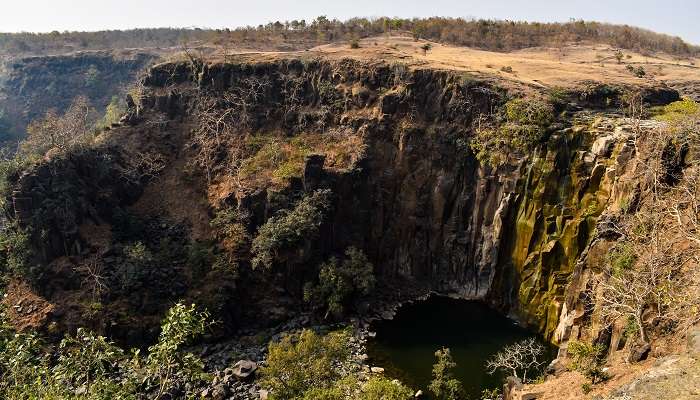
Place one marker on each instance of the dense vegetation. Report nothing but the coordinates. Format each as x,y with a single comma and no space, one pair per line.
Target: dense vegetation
486,34
88,366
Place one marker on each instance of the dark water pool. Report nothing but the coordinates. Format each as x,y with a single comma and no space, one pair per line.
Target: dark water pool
405,346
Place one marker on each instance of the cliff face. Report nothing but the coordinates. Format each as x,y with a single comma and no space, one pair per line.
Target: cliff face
392,145
31,86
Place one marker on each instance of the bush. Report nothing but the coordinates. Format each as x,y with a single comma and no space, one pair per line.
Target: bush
114,111
379,388
639,72
588,359
15,251
339,282
678,111
288,229
507,68
354,44
444,386
301,362
586,388
491,394
621,258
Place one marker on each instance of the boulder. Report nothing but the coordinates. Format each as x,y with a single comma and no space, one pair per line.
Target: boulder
639,352
377,370
244,369
602,147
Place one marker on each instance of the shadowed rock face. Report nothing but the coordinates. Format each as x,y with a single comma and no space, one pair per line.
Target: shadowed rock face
418,202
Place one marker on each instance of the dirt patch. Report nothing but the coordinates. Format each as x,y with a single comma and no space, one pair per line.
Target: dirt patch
26,309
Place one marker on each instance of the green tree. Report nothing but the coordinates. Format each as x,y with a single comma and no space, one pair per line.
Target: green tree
301,362
340,282
288,229
444,386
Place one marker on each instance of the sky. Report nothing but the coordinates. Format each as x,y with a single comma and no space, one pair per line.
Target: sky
675,17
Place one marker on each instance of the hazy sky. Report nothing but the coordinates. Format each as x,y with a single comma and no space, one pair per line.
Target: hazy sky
676,17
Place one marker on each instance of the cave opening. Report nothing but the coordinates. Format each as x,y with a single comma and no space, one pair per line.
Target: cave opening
405,345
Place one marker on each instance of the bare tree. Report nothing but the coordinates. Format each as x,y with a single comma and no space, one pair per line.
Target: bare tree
61,132
222,122
143,166
658,282
91,271
522,356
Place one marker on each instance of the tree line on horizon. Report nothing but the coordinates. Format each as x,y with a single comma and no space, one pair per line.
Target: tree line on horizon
495,35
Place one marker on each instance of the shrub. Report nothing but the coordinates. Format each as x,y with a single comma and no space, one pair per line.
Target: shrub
15,251
380,388
354,44
586,388
288,229
301,362
114,111
679,111
339,282
621,258
507,68
639,72
229,228
444,386
588,359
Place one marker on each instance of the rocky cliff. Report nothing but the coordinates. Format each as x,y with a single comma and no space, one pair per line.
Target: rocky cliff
391,142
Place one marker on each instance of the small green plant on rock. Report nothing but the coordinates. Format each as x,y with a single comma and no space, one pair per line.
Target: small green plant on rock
444,385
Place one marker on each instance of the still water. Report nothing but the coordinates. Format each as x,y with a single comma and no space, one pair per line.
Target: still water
405,346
